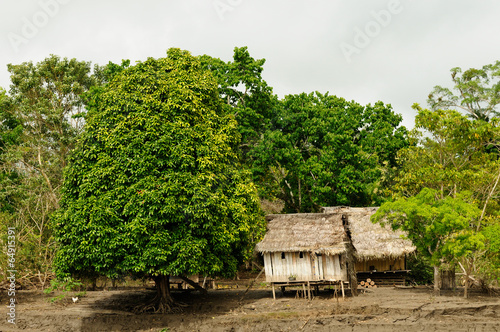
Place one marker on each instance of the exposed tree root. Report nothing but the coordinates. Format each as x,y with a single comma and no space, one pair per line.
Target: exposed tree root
158,306
163,302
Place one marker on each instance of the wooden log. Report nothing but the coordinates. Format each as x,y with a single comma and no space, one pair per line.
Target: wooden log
374,286
251,284
194,284
372,283
362,283
368,280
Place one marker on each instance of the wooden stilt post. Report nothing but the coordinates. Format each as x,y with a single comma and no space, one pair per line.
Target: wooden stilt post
274,292
309,290
342,285
304,289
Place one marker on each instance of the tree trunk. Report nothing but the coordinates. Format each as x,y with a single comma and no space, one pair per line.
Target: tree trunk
437,280
448,279
351,271
466,286
164,299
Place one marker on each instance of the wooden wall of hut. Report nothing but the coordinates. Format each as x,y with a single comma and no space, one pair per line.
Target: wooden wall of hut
280,266
381,265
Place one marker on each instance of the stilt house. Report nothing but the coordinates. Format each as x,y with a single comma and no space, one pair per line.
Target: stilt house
339,245
380,252
306,247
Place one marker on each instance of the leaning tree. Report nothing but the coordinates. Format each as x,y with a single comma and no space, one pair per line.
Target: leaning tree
154,187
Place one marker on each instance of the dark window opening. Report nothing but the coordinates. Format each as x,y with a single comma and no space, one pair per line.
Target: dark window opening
301,255
282,255
371,268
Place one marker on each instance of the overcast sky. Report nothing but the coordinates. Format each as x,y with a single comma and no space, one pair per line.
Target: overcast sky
393,51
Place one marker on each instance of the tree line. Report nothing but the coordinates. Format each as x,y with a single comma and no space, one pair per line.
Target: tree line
166,167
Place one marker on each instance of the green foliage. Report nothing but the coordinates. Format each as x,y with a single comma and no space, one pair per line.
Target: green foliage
10,132
324,151
490,265
66,286
478,92
442,229
104,74
449,153
37,130
421,272
296,146
244,94
154,186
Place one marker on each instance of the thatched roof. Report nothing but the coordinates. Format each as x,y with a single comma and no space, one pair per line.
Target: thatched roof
372,241
307,232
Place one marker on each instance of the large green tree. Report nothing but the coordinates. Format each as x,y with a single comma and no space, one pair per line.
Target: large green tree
322,150
476,91
10,130
244,93
40,120
442,229
449,153
154,186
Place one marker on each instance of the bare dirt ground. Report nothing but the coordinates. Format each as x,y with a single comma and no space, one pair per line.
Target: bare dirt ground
380,309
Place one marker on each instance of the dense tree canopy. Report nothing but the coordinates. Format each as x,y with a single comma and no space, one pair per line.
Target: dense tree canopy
154,186
322,150
39,122
477,92
244,94
10,130
490,265
449,153
442,229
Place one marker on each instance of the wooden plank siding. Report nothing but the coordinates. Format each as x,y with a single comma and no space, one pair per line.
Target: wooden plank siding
310,267
381,265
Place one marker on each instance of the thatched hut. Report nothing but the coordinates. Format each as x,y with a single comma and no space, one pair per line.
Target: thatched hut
336,246
380,251
306,247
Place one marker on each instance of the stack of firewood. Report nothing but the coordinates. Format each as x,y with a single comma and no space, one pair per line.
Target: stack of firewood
367,284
